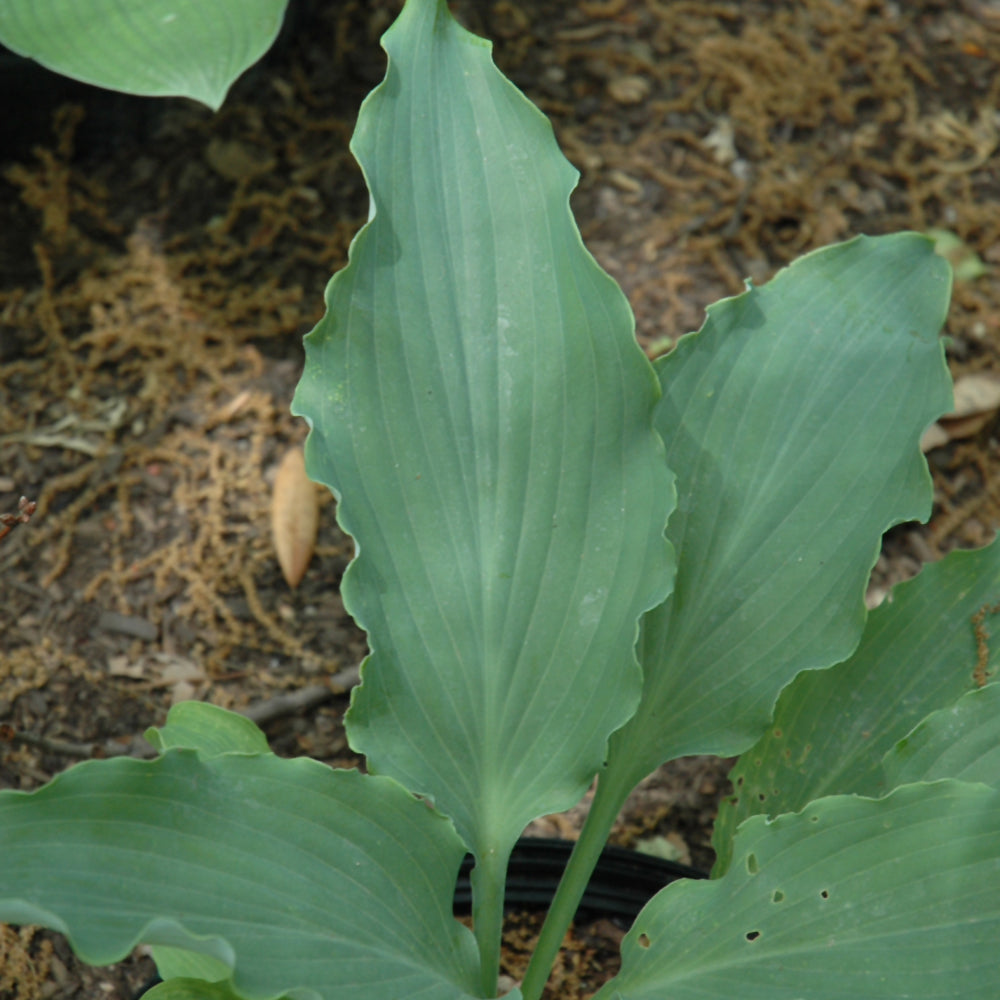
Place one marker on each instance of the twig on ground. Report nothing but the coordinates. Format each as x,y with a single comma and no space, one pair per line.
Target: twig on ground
303,699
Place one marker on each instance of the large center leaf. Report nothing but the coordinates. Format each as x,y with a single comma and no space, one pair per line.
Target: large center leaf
480,406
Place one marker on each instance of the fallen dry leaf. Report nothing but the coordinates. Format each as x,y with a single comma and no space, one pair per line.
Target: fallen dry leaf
977,398
181,676
975,393
933,437
966,427
294,516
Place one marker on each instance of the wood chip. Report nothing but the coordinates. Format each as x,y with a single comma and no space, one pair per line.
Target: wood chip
630,89
140,628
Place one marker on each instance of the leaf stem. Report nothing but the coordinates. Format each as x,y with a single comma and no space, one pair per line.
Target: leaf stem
604,809
488,880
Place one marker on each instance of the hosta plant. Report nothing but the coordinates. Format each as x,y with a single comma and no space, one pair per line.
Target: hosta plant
573,563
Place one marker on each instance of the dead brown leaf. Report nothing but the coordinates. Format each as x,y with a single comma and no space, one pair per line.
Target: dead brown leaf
977,399
978,392
294,516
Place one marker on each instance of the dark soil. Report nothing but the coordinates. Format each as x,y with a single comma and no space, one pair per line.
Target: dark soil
160,264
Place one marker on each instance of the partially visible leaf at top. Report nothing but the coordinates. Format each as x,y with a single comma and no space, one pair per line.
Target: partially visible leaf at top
156,48
831,728
481,408
792,421
977,399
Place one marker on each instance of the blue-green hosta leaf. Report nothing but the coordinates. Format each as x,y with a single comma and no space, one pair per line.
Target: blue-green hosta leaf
792,420
156,48
190,989
479,405
962,741
852,897
201,726
178,963
208,728
305,880
832,727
